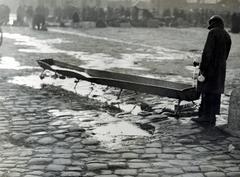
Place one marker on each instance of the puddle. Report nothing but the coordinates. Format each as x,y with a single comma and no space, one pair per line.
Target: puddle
105,128
35,45
2,98
134,109
11,63
113,134
68,84
83,88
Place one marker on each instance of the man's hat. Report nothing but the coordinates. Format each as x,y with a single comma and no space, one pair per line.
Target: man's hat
215,21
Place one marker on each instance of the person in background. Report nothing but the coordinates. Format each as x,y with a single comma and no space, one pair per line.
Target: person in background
20,15
29,15
75,19
4,14
39,18
1,36
235,28
213,71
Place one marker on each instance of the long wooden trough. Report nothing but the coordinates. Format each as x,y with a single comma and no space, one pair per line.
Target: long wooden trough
124,81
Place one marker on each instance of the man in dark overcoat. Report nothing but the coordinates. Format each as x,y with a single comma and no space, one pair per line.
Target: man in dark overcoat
213,70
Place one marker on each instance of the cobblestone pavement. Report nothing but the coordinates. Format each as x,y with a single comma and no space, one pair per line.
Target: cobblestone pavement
37,143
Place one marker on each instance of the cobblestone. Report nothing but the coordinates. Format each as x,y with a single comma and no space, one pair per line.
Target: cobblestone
153,151
139,165
191,175
129,155
62,161
62,151
126,172
191,169
96,166
19,136
106,172
36,167
113,165
39,161
70,174
148,175
233,174
53,167
47,140
215,174
106,175
39,173
161,164
208,168
173,171
91,142
79,155
32,176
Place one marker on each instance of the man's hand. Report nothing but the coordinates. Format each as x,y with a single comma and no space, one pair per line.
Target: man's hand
201,78
195,63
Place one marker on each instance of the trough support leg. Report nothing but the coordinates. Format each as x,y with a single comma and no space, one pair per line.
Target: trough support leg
178,109
92,88
76,83
193,102
55,76
42,76
106,89
133,108
119,93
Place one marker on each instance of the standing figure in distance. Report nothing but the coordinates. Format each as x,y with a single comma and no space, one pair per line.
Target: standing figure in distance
1,36
213,70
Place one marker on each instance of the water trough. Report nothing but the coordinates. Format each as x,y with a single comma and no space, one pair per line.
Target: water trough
123,81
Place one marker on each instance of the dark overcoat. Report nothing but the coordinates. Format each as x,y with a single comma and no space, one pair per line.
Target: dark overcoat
214,57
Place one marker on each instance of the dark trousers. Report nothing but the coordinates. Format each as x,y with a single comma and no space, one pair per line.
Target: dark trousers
210,105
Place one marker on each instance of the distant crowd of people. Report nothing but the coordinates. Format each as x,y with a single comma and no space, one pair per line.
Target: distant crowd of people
27,15
198,18
194,17
133,16
140,17
103,17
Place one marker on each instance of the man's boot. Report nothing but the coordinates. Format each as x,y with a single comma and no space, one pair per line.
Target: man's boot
212,122
202,119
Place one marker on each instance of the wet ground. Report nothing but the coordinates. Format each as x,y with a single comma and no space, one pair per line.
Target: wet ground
49,128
